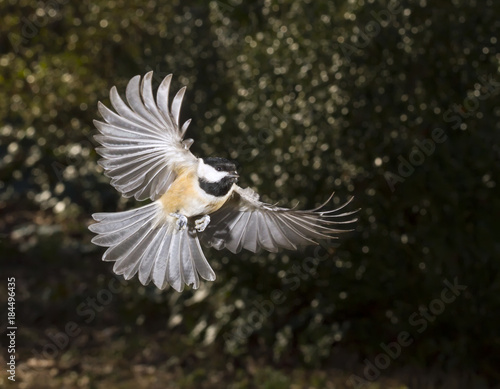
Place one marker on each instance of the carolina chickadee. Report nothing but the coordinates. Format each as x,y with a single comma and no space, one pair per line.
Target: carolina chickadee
194,199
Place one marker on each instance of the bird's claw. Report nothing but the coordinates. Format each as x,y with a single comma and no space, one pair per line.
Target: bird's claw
202,223
181,222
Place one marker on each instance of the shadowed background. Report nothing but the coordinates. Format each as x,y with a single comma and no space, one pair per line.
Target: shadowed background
393,102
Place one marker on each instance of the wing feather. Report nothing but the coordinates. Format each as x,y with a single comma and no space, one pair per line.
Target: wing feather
162,100
150,255
134,256
185,127
124,111
292,231
174,272
159,274
105,217
125,245
189,274
250,239
264,234
112,130
244,222
135,98
229,221
125,176
280,236
149,101
113,152
201,263
122,121
145,241
176,105
118,233
127,159
240,233
301,227
142,143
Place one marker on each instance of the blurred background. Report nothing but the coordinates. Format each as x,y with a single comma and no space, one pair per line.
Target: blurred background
395,102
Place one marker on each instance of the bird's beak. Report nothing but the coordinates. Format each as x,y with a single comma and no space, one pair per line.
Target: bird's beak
234,175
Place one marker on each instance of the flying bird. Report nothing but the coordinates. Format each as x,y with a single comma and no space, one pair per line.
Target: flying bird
193,199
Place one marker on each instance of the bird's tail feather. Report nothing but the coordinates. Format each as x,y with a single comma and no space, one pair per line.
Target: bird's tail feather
145,241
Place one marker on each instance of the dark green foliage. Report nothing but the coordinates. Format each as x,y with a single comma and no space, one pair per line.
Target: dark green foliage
309,97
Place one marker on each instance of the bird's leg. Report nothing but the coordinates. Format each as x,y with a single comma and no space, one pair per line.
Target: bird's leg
182,221
202,223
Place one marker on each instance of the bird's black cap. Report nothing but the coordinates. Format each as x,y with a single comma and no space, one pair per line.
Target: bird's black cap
222,163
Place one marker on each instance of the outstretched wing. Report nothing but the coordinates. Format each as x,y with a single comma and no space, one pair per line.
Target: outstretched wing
144,241
244,222
142,143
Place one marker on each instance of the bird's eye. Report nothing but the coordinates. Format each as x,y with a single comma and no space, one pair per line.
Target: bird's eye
218,168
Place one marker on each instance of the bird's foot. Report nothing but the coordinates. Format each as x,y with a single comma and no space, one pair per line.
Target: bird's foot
202,223
181,222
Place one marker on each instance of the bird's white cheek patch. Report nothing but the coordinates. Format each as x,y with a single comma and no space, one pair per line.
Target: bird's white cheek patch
209,174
